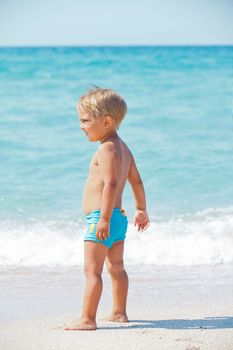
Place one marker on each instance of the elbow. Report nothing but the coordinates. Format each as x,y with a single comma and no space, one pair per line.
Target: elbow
136,182
139,181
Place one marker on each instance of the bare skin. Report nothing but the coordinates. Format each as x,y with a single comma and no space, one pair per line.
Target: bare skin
110,168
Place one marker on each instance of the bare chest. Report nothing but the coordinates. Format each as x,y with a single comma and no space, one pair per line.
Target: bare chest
94,170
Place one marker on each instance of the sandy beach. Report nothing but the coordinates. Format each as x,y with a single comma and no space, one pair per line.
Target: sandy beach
138,334
186,308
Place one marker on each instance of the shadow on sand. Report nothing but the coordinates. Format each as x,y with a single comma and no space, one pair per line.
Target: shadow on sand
205,323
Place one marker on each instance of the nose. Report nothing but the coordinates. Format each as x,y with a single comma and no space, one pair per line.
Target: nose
82,126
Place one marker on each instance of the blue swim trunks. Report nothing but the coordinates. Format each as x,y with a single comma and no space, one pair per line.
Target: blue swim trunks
118,227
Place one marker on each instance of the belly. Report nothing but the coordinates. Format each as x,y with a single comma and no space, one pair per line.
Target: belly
92,195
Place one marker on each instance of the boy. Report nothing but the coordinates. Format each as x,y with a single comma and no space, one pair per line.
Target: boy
101,112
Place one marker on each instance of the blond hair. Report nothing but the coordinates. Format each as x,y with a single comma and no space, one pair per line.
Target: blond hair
103,102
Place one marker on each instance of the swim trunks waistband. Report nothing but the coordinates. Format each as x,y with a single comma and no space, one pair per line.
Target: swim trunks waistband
97,211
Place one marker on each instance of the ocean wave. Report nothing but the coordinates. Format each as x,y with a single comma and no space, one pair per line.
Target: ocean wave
204,237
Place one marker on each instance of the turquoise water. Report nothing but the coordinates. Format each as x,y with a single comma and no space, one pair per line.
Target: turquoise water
179,127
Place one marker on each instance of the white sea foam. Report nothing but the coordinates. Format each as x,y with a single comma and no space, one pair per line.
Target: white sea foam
201,238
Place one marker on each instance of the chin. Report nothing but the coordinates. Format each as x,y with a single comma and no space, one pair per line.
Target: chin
92,139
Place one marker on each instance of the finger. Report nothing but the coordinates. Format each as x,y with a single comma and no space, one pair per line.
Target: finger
105,235
147,224
99,235
140,227
102,236
144,227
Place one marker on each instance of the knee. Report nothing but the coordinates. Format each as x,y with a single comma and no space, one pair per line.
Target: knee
92,272
115,268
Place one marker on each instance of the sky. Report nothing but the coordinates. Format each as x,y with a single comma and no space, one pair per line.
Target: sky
118,22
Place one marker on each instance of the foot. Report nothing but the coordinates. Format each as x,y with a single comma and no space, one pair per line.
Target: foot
117,317
81,325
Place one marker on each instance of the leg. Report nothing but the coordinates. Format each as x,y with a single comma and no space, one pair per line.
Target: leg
94,256
115,265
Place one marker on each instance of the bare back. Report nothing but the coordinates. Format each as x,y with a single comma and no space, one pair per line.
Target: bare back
93,189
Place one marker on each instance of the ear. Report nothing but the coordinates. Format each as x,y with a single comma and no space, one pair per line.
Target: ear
107,121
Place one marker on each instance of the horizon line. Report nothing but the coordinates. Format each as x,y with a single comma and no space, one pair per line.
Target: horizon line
111,45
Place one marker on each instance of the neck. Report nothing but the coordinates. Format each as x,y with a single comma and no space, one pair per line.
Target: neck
109,136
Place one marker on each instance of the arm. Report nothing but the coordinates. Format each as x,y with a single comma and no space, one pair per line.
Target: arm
107,159
141,217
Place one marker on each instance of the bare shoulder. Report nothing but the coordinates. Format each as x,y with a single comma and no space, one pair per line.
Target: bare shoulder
107,150
108,146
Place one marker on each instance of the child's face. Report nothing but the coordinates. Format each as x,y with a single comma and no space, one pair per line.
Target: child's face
93,127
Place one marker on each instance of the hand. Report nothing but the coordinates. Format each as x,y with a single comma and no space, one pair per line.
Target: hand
141,220
102,229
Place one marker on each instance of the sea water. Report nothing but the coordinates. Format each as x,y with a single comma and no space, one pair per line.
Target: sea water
178,126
